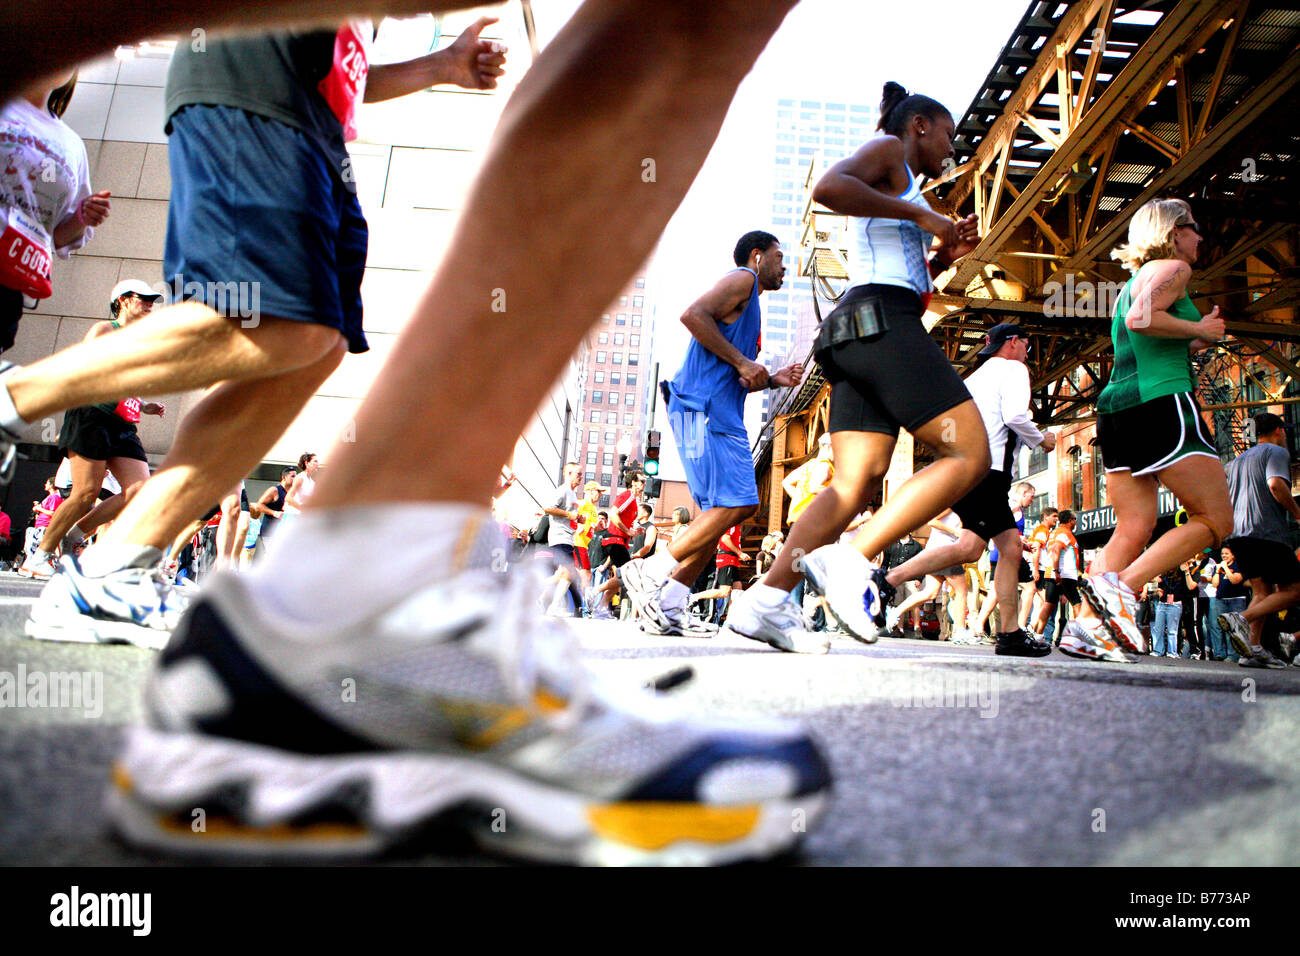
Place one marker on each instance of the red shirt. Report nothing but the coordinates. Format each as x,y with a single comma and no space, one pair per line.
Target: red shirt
625,506
5,525
726,557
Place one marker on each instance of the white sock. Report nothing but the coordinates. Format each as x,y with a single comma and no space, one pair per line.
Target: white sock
764,595
319,569
75,535
101,559
9,417
660,564
674,595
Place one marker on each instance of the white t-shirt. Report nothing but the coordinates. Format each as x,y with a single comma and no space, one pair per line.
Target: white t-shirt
44,171
565,498
63,478
1000,388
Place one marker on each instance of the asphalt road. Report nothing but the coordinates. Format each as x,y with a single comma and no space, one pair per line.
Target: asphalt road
942,755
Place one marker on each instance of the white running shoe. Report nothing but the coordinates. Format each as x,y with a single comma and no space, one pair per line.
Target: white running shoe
38,565
782,628
465,708
1089,640
1118,608
893,617
1235,625
129,606
845,578
642,587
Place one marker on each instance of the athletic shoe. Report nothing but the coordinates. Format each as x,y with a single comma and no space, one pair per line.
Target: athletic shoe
1260,657
1091,643
128,606
964,636
893,618
1287,642
641,586
602,613
846,579
468,710
1021,644
782,627
1117,607
1235,625
38,565
681,628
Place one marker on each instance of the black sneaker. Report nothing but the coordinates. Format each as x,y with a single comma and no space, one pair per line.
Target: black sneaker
887,590
1021,644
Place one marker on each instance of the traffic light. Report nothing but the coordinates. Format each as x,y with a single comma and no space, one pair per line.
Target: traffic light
650,457
652,489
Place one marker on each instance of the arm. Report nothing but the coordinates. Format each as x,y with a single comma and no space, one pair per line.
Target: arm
94,209
1281,490
703,316
153,408
1164,286
291,497
471,63
851,186
1234,576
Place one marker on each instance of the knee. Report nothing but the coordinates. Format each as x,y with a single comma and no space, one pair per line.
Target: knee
83,498
1220,522
292,345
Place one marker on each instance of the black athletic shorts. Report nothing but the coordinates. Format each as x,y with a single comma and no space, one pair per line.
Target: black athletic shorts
1025,576
1154,435
899,379
985,509
1275,563
243,500
726,576
617,553
99,435
11,313
1066,587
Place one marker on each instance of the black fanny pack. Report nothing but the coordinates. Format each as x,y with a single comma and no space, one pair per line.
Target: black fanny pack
862,314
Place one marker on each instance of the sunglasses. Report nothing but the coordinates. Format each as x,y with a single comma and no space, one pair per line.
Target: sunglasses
1191,225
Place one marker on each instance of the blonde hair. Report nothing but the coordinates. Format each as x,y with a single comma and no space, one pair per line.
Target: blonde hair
60,97
1151,232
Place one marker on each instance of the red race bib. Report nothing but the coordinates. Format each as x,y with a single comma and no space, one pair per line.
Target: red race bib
128,409
344,87
25,256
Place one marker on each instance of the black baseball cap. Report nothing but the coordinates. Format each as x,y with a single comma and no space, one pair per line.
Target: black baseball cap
998,335
1266,423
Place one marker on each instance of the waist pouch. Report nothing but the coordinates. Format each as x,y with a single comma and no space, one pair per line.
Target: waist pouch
863,314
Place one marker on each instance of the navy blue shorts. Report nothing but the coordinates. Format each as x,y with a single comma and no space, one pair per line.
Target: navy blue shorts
261,222
719,470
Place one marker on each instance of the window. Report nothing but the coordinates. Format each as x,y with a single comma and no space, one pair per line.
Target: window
634,359
598,377
613,398
629,398
622,319
636,321
627,420
1076,477
591,476
605,317
1037,460
606,479
600,358
1098,479
609,438
1034,513
638,302
591,457
622,300
617,358
631,378
593,436
618,338
595,417
597,397
607,460
636,341
615,378
640,282
611,418
602,338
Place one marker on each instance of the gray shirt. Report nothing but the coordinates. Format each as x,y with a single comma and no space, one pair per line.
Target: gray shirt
560,532
1255,512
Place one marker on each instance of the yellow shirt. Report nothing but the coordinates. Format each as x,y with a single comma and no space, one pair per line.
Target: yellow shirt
588,515
804,490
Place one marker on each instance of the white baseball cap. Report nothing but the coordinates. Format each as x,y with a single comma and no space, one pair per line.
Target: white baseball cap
136,286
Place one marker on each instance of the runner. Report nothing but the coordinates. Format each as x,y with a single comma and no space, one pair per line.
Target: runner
270,507
1260,484
274,241
1022,495
1000,388
1061,564
886,373
706,409
486,698
622,516
98,440
1149,426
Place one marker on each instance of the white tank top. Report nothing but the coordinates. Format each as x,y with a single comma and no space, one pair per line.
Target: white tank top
892,251
304,493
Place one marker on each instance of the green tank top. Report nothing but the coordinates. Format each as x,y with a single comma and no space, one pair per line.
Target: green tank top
1146,367
109,408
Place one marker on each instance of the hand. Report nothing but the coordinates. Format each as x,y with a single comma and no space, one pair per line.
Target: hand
752,375
940,226
154,408
474,63
1049,441
790,376
968,237
1211,328
94,208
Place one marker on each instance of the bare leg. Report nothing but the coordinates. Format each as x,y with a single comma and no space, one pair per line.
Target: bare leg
966,548
87,479
699,544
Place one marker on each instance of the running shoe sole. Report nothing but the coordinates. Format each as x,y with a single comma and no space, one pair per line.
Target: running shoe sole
87,630
1116,631
265,804
1239,642
782,643
638,592
819,586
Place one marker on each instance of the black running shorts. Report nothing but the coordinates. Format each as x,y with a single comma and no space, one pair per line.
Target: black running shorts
99,436
899,379
726,576
985,509
1066,587
1150,437
1271,561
